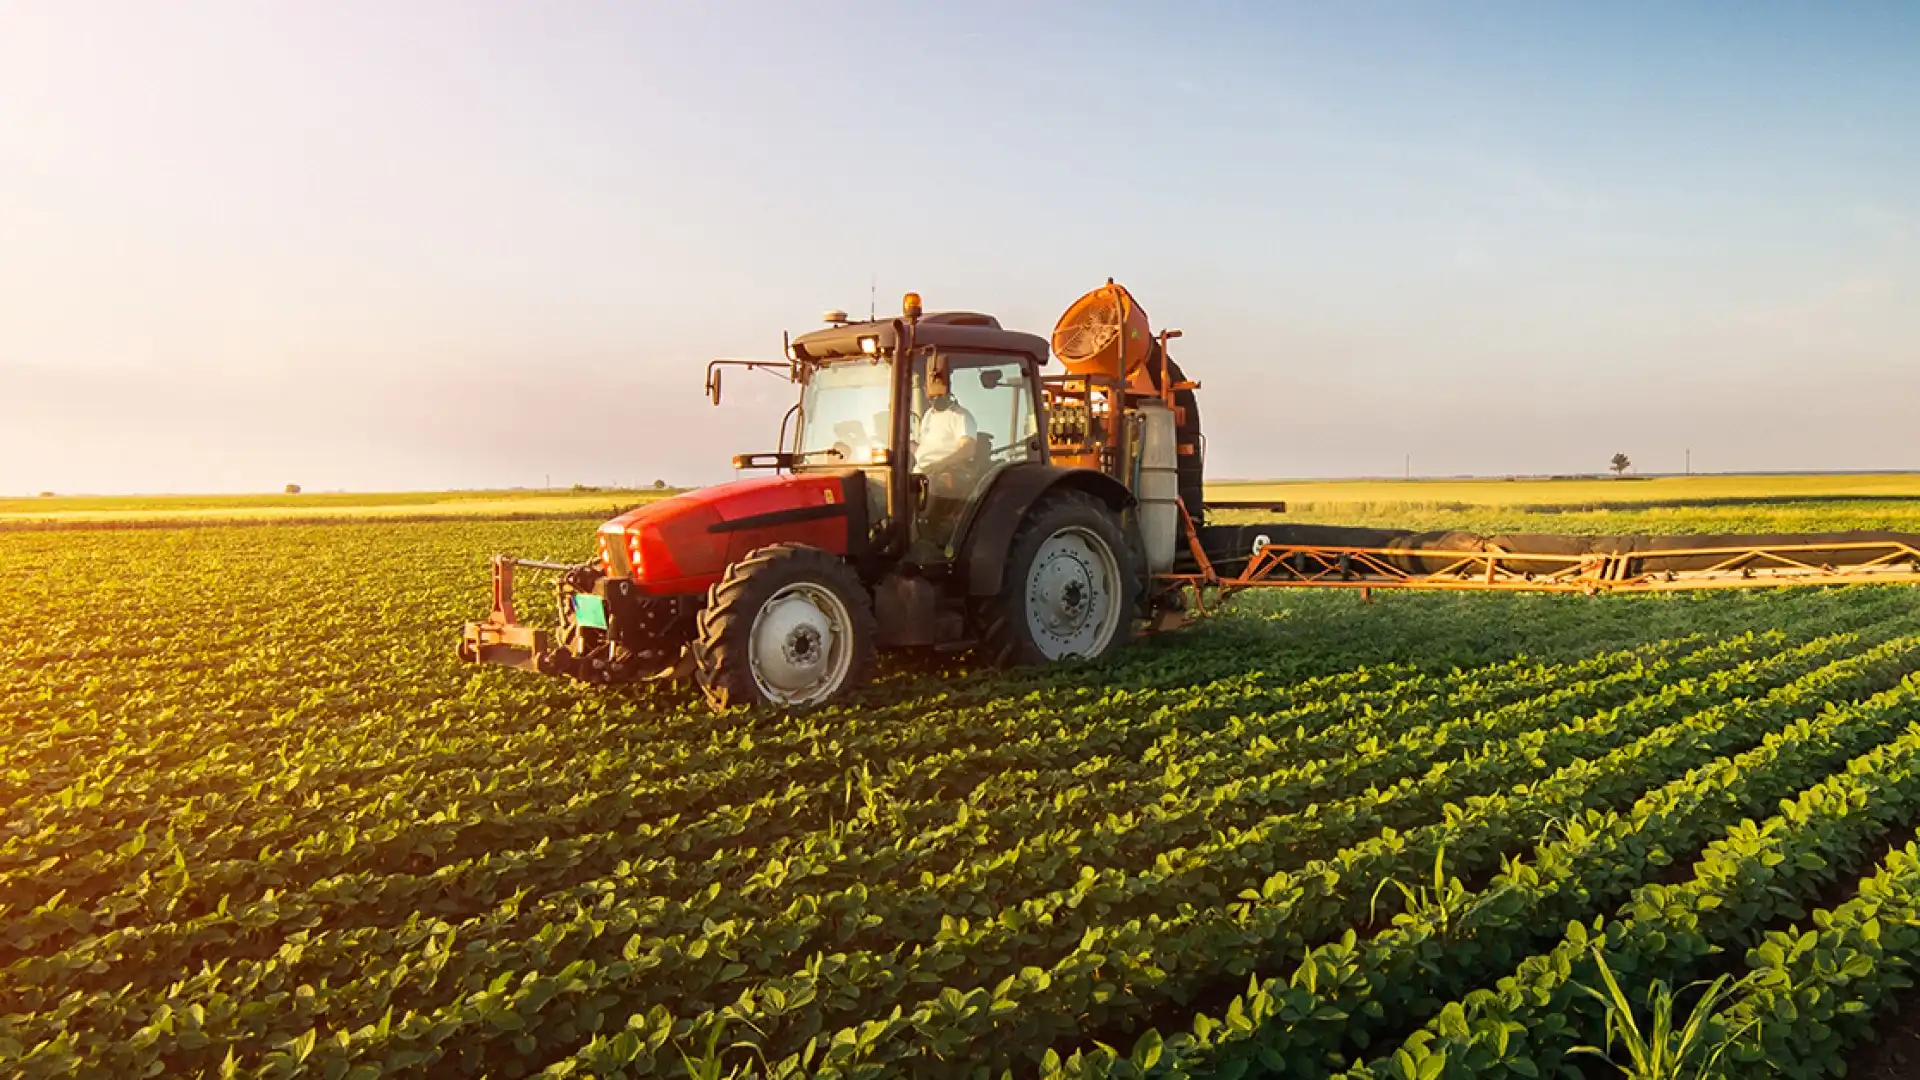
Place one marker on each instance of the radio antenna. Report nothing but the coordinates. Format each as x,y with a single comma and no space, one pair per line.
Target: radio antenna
873,292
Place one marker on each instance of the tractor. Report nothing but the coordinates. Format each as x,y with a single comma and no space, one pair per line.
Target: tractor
934,487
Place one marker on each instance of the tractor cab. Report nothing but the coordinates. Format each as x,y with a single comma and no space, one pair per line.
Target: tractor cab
931,409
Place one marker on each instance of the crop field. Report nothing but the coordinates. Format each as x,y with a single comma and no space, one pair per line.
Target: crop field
1593,505
1629,491
256,821
146,510
1677,504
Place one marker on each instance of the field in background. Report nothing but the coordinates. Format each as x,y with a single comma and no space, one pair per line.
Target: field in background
1661,504
197,509
1582,492
1679,504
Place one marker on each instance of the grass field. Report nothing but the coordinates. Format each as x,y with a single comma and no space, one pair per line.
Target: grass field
255,820
1584,492
194,509
1668,504
1689,504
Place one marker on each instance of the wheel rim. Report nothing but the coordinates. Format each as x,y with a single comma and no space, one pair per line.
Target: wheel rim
801,645
1072,592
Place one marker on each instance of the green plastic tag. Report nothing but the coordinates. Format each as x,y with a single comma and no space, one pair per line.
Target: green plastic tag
589,610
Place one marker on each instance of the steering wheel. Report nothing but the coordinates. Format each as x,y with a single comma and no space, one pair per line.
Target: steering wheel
952,482
958,478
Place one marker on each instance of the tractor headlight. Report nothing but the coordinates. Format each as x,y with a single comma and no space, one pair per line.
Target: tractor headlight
616,549
870,346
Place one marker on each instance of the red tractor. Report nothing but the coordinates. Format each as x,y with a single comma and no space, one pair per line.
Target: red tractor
937,490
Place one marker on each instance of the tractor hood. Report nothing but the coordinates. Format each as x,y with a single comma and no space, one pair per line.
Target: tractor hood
684,543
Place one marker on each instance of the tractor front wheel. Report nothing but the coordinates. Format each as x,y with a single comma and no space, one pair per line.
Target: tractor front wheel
788,625
1070,587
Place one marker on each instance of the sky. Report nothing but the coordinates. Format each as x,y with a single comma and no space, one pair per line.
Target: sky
470,243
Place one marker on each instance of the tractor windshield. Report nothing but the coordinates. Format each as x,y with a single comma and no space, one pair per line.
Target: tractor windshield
846,413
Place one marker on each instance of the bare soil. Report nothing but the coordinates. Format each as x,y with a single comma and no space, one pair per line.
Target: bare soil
1894,1052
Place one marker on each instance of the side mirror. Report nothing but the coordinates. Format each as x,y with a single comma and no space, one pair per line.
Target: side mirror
990,378
713,386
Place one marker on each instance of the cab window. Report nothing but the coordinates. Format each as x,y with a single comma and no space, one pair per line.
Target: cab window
845,415
987,398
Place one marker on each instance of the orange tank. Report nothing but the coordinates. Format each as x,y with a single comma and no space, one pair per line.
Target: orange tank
1104,330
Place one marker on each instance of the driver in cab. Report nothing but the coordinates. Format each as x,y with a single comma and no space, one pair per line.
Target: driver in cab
944,447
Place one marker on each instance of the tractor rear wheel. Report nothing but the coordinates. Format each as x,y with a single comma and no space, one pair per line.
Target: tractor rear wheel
1070,588
788,625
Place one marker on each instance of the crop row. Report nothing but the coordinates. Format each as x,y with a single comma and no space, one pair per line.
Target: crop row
1289,914
1755,874
1348,994
1077,920
726,840
299,794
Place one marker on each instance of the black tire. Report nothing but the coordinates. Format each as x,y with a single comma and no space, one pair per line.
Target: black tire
723,639
1008,634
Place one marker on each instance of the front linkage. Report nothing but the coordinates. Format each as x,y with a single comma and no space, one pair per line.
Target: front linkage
609,632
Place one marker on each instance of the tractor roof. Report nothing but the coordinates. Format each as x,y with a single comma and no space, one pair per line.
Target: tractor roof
941,329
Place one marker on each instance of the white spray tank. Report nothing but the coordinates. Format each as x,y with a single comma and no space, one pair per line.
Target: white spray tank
1159,485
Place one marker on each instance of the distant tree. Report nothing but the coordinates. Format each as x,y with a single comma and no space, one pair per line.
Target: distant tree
659,485
46,494
1621,463
293,489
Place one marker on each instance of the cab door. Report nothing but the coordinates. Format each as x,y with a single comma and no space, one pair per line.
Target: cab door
988,424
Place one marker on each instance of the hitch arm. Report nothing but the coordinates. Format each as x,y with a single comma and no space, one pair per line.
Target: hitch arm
500,639
503,612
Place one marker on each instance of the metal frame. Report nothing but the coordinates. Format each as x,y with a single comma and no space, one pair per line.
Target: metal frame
501,638
786,369
1301,566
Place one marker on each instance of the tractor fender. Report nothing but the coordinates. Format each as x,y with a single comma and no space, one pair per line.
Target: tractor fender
988,538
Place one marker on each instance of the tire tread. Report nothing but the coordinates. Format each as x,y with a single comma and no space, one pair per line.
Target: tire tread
719,646
1000,622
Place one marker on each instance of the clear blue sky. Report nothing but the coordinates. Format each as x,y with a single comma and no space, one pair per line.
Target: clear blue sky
426,244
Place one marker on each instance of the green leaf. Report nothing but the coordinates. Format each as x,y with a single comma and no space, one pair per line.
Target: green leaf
1146,1052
